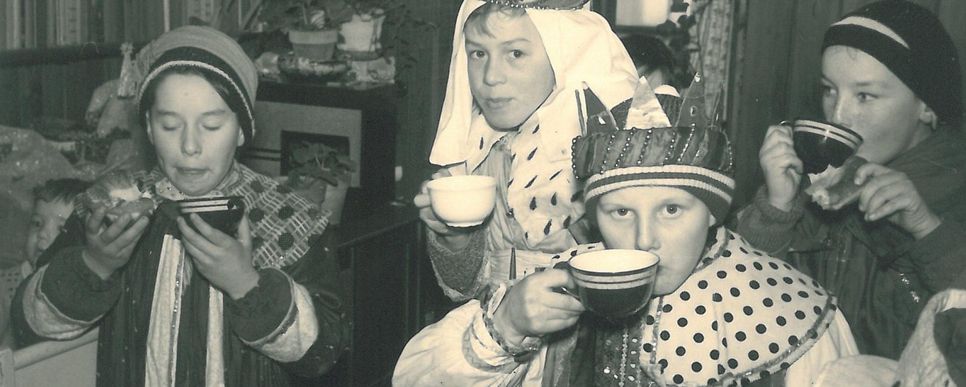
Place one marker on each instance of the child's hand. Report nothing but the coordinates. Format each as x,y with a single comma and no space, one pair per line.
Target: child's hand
532,308
454,237
109,247
225,261
781,166
890,194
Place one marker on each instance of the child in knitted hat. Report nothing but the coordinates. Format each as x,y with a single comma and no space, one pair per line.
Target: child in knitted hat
178,300
510,113
891,73
722,311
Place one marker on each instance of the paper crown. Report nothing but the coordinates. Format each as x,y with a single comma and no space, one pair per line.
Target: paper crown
541,4
693,154
638,133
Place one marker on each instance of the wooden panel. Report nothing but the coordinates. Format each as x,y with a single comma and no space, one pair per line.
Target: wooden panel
952,13
761,85
846,6
423,85
812,18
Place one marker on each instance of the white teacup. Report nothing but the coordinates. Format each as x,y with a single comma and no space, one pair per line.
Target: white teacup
462,201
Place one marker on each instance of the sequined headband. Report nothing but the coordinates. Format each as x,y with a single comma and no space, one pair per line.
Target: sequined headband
694,154
541,4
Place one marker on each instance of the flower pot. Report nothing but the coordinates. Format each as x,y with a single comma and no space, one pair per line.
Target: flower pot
360,36
316,45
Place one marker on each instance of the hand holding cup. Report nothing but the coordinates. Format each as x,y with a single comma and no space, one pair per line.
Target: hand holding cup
533,308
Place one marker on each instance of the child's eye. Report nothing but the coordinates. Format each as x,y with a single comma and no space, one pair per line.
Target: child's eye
672,209
212,126
864,97
620,212
516,54
477,54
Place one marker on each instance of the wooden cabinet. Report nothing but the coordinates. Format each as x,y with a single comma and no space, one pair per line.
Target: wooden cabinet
391,291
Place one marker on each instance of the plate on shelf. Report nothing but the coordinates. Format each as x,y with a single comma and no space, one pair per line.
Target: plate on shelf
299,68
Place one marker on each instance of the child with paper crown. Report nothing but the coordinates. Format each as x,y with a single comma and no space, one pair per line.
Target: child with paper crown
510,112
722,312
891,73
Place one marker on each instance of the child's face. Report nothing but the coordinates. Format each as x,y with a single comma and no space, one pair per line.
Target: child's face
46,224
860,93
669,222
509,70
194,132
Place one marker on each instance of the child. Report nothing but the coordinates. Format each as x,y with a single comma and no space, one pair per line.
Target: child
652,58
891,73
179,303
511,112
722,311
53,204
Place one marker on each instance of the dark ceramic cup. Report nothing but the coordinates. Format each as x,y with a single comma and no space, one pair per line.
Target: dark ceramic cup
614,283
820,144
222,213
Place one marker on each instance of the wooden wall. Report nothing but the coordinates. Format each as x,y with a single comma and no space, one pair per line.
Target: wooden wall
777,68
423,85
63,90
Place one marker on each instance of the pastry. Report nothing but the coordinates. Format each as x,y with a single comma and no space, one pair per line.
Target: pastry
835,187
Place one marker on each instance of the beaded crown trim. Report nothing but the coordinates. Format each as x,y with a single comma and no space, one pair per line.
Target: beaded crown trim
541,4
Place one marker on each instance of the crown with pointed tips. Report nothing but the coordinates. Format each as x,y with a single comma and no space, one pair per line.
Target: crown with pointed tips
541,4
644,148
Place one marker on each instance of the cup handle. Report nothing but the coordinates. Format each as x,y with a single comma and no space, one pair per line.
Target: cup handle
565,265
565,290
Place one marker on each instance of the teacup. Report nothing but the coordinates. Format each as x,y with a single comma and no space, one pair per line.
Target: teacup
820,144
614,283
462,201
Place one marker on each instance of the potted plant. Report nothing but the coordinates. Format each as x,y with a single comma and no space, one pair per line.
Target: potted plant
321,174
312,25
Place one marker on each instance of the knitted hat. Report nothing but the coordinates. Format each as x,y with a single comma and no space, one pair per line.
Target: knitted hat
693,154
910,41
212,52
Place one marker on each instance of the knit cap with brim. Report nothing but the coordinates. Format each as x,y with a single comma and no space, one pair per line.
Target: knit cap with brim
212,52
646,150
912,43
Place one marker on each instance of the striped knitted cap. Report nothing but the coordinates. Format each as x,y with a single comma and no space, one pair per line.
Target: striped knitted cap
210,51
912,43
693,155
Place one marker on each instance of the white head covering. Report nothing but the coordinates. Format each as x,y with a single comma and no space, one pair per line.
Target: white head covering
582,49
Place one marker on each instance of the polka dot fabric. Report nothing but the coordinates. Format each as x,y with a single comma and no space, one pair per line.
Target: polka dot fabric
740,317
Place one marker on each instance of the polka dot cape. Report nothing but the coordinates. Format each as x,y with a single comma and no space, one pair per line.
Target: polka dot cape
740,317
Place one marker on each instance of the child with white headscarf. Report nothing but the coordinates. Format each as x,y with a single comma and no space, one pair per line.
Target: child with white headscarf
511,112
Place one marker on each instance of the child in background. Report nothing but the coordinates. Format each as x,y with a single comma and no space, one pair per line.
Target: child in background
652,58
53,204
511,112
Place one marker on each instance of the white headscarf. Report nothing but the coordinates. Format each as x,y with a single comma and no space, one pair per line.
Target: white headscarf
582,49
